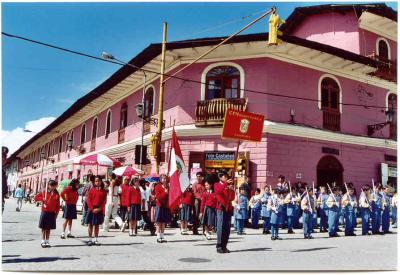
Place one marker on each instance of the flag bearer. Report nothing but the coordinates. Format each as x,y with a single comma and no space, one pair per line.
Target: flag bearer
376,210
275,205
365,207
385,211
290,201
333,204
265,212
323,210
308,207
349,204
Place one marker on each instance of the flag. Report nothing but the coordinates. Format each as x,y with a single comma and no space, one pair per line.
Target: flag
179,179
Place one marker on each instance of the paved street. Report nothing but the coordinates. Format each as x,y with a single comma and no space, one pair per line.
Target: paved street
254,251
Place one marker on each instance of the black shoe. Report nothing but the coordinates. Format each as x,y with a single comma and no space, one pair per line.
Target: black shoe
310,237
278,238
226,250
290,232
336,235
159,240
264,232
273,239
196,233
89,243
70,236
220,250
267,232
339,230
353,234
305,237
388,232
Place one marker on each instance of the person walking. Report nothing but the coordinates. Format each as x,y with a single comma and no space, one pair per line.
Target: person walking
19,195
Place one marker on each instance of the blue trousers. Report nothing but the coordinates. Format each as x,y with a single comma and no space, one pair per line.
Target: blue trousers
314,220
386,220
255,217
307,223
349,217
365,215
323,224
333,219
223,228
240,223
290,222
275,230
394,215
296,223
267,224
284,217
376,220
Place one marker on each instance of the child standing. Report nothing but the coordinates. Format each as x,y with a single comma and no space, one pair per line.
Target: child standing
162,214
323,209
349,204
376,210
265,212
19,194
275,203
365,206
242,211
134,212
290,210
207,210
96,200
333,204
50,207
385,211
394,210
70,196
307,205
255,204
187,202
125,203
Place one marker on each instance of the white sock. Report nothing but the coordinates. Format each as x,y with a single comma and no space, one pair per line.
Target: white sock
162,235
69,232
90,239
46,241
158,235
43,241
95,239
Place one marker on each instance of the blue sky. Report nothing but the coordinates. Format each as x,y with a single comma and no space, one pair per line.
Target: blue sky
41,82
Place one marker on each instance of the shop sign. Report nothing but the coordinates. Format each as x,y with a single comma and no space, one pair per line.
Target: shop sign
220,159
241,125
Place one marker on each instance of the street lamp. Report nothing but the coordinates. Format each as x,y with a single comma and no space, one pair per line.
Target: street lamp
389,116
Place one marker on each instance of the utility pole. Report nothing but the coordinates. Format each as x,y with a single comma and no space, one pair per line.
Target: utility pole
161,100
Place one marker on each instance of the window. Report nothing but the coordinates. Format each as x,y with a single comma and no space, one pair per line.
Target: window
383,49
123,121
392,105
330,93
223,82
70,136
94,129
83,134
108,123
148,103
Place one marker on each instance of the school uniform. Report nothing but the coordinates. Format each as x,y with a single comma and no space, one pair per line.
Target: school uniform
376,212
385,213
297,212
276,207
187,201
207,209
265,213
97,198
124,202
198,191
255,206
290,211
162,213
333,204
323,212
241,212
314,215
365,209
135,207
71,198
308,207
349,204
394,210
50,209
224,209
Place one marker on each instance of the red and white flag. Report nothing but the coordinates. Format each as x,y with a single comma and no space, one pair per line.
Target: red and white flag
179,178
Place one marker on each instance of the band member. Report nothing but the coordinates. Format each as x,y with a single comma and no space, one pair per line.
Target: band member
162,214
50,208
125,201
349,204
385,211
290,201
198,190
134,212
114,191
186,209
255,204
323,209
70,196
265,212
308,207
207,210
241,213
376,210
333,204
394,210
96,200
365,207
275,205
225,194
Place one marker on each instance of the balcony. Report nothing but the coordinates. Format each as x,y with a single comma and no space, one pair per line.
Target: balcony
331,120
386,68
92,145
212,112
121,135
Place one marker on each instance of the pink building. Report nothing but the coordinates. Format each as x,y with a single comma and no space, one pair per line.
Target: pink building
327,92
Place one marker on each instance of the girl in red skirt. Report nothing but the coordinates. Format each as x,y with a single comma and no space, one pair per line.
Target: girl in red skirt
96,201
70,196
50,208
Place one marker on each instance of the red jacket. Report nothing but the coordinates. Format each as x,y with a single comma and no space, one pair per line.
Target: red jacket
52,202
69,196
97,198
136,197
188,198
198,190
161,196
208,200
224,196
125,195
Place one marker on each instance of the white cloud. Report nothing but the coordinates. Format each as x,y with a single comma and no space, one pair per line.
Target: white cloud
15,138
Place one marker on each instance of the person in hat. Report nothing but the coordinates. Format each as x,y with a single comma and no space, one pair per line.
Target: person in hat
50,207
225,194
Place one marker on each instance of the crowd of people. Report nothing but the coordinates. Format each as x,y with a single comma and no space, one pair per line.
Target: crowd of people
213,203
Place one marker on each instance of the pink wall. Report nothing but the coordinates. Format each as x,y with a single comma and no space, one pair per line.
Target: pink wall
369,46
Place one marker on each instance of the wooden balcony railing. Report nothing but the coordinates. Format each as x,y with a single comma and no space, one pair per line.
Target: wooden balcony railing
331,120
121,135
212,112
386,68
92,145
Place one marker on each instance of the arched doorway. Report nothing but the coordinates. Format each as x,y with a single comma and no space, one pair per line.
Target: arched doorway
329,170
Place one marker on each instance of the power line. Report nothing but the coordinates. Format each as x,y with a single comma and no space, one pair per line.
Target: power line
121,63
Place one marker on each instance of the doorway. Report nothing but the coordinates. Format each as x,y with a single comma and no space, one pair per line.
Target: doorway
329,170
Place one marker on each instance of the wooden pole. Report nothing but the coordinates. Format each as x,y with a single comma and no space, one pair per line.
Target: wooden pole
236,157
161,99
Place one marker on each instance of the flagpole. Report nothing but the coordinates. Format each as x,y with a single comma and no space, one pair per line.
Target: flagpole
235,163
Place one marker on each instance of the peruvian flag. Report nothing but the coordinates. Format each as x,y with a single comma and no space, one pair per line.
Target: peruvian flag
179,179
